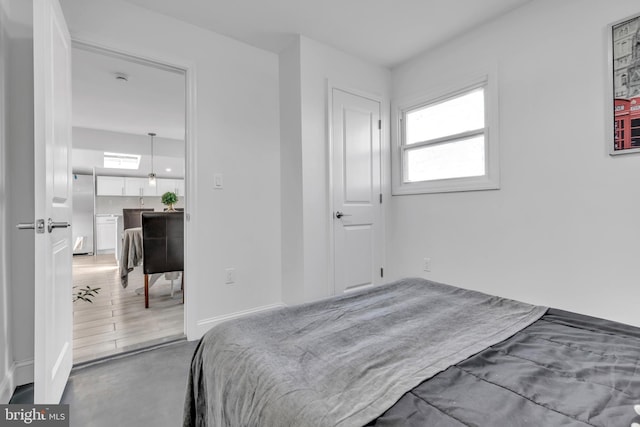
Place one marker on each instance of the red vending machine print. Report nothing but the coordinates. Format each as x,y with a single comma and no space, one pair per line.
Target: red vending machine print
622,139
634,122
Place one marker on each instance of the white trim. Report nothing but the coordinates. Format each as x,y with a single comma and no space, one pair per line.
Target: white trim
19,373
23,371
131,57
491,180
205,324
191,204
189,69
331,279
7,386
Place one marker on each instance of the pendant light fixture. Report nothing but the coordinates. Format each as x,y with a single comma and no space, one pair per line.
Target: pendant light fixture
152,174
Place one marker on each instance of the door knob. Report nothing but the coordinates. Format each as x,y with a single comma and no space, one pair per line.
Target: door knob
38,226
52,224
340,214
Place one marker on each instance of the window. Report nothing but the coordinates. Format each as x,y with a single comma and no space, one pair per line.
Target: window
443,143
121,161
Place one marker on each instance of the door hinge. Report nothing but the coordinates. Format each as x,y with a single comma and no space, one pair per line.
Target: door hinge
381,272
379,124
380,198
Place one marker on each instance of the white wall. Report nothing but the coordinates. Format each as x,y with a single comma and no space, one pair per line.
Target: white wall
317,64
82,214
291,188
562,231
17,198
236,134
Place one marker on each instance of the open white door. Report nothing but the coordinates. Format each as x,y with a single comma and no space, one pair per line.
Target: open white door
357,223
52,152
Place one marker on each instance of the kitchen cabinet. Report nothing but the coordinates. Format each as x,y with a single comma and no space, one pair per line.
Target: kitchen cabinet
106,233
138,187
173,185
110,186
180,187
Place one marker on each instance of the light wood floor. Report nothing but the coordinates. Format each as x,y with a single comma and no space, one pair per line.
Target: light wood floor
117,321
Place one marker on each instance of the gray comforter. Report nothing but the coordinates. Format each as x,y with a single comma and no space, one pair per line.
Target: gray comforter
565,369
342,361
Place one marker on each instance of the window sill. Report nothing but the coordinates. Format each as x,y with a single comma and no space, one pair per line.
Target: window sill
446,186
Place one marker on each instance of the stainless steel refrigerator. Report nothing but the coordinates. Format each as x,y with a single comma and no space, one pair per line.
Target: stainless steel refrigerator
83,214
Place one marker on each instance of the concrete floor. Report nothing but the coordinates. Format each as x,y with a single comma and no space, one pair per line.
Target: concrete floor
137,390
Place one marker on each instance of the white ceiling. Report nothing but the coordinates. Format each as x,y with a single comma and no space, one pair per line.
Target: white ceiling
152,100
384,32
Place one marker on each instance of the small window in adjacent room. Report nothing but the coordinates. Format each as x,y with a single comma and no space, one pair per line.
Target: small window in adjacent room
121,161
444,143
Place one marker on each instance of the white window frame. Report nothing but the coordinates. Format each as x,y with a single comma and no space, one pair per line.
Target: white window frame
489,181
127,161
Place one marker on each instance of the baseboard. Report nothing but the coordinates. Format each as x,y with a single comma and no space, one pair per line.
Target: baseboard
206,324
23,372
19,373
7,386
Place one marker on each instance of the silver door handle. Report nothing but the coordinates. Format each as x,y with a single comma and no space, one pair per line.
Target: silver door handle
51,225
340,214
38,226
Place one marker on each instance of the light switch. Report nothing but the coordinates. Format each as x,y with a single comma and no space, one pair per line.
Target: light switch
217,180
230,276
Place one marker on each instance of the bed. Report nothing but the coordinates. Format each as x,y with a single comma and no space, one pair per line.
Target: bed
415,353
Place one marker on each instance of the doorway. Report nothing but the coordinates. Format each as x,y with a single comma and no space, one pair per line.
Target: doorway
129,142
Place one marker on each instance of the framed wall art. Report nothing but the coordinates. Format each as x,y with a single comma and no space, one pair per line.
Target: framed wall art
624,75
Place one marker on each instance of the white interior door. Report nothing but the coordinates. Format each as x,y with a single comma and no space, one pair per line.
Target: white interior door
357,222
53,250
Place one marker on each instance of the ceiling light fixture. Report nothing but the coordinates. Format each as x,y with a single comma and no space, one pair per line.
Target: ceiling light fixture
152,175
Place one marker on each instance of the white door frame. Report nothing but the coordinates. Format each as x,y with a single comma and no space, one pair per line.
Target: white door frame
330,86
190,224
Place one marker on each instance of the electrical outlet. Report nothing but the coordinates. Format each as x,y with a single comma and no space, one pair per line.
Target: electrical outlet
426,264
230,276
